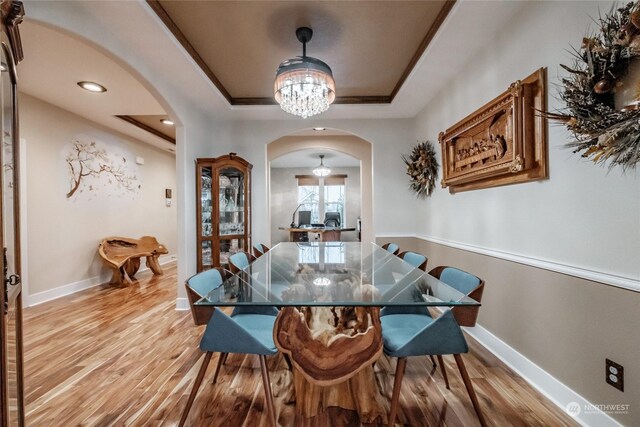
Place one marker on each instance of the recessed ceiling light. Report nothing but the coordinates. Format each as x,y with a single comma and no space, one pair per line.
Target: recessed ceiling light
166,122
92,87
3,67
319,129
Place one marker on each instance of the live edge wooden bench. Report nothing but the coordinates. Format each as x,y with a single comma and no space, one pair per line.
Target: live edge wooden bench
123,255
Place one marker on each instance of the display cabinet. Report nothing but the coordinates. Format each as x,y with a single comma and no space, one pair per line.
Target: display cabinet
223,212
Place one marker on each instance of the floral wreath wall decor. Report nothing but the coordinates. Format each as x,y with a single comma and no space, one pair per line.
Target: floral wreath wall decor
422,168
602,91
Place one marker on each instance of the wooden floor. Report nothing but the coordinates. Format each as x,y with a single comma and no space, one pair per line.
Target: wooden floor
113,356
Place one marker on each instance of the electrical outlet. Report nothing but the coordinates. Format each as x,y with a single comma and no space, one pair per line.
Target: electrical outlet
614,374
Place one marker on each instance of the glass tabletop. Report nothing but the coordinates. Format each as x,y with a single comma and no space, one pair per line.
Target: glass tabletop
333,274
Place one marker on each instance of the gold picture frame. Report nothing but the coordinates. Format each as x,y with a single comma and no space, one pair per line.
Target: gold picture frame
504,142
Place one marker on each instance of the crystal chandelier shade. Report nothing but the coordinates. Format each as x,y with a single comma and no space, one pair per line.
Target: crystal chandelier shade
304,86
321,170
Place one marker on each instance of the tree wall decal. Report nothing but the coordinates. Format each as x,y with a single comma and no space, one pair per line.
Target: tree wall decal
86,160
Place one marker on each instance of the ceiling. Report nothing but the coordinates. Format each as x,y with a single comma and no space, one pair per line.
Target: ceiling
310,158
68,60
371,46
468,29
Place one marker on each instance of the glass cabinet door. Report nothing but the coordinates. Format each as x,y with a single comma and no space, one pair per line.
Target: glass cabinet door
231,202
229,247
206,202
205,224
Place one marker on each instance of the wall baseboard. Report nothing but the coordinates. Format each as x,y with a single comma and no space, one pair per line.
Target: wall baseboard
545,383
571,270
182,304
71,288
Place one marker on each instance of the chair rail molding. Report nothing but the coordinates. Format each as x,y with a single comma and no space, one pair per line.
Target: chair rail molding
571,270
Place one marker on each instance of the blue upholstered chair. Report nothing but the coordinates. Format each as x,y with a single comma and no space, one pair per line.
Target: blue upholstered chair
392,247
417,334
240,261
259,249
468,284
198,286
247,331
415,259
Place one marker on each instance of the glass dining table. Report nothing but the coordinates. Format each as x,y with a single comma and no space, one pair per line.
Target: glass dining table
330,297
333,274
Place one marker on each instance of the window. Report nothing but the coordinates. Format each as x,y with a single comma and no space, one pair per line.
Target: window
322,195
309,199
334,198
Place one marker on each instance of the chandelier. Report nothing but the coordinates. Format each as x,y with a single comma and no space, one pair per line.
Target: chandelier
321,170
304,85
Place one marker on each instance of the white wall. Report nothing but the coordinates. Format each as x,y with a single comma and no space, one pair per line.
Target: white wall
584,220
198,129
394,205
63,233
559,219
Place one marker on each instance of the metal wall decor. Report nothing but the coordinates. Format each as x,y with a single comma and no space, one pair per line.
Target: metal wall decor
504,142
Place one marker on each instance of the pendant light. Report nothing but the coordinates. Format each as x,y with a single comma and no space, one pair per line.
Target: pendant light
321,170
304,86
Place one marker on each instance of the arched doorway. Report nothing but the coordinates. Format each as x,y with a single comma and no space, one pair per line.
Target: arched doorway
337,141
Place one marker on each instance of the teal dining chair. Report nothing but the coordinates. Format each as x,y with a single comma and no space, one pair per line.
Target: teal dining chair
240,261
198,286
391,247
406,335
249,330
259,249
468,284
415,259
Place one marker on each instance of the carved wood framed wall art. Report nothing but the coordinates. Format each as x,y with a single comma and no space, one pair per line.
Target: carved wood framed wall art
504,142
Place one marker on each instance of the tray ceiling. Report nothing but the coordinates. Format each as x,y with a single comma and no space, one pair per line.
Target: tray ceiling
371,46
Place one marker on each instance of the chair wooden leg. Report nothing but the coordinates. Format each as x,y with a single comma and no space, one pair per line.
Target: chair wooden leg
397,383
266,382
443,369
469,386
221,359
433,361
196,386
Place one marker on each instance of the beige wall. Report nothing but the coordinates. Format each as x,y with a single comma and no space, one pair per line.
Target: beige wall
63,234
565,325
284,200
583,219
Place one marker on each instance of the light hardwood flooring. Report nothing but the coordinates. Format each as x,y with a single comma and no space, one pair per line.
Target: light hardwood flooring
111,356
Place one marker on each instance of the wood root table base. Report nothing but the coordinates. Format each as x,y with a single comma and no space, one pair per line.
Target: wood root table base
332,351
